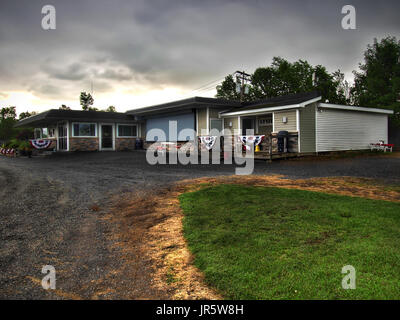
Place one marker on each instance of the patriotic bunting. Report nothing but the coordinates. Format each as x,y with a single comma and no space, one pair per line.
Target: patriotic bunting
40,143
247,140
7,152
208,141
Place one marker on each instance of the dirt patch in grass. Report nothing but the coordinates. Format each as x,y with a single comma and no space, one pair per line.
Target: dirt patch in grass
150,232
150,229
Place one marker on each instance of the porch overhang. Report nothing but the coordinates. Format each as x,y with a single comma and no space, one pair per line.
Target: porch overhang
258,111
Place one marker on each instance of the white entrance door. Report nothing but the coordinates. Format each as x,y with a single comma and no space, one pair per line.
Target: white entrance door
107,139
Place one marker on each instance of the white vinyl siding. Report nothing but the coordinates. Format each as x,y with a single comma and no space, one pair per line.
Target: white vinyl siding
349,130
201,121
307,128
290,125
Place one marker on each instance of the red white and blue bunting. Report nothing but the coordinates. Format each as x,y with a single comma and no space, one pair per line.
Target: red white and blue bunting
208,141
6,152
40,143
248,140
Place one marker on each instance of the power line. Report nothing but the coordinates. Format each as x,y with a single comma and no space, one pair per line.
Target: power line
206,87
209,83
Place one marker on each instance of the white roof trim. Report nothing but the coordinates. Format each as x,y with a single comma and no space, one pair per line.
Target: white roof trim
353,108
305,103
257,111
268,109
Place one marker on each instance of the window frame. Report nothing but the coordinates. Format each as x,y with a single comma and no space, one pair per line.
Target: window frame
217,119
51,132
37,130
264,122
95,130
127,125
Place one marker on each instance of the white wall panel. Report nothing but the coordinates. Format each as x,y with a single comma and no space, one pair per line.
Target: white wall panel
349,130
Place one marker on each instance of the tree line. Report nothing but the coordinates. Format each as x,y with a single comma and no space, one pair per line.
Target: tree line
376,83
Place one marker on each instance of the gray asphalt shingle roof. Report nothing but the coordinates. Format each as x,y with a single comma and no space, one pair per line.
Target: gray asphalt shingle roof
54,115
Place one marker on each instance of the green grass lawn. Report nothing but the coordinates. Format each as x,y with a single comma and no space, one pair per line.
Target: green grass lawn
274,243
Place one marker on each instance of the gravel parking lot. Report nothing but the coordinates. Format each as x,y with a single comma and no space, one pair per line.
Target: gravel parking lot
52,209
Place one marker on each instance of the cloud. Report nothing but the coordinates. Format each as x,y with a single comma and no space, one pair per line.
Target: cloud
73,72
115,74
46,91
142,46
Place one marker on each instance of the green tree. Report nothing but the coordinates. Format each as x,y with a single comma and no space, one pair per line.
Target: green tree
7,121
8,113
227,89
86,101
111,109
64,107
282,78
26,114
377,83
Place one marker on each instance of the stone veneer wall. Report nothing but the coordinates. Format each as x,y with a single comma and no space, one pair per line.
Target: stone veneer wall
84,144
125,144
53,144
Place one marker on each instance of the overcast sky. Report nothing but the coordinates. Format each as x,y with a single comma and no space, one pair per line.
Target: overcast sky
139,53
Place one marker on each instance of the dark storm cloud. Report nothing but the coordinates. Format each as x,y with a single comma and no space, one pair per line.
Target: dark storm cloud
46,90
176,43
74,71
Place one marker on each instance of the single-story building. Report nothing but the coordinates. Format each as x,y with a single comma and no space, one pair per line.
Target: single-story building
74,130
312,126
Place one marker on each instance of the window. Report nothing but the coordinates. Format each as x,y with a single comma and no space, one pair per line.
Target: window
126,130
84,129
51,132
45,133
265,122
216,124
38,133
41,133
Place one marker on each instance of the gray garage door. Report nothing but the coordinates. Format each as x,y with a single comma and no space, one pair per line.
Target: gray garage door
184,121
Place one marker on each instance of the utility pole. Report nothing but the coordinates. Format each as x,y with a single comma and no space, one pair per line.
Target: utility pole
242,77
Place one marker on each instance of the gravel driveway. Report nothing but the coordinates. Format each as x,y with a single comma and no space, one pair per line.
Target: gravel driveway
52,209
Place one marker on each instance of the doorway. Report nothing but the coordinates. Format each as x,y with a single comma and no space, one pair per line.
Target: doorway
248,124
106,137
62,137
